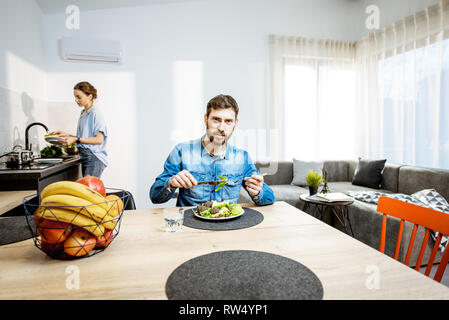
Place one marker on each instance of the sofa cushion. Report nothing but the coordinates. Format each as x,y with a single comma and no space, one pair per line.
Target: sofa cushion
433,199
414,179
345,186
369,173
390,177
277,172
337,170
286,192
301,168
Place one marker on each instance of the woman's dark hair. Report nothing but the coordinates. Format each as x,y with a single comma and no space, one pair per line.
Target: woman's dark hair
87,88
222,102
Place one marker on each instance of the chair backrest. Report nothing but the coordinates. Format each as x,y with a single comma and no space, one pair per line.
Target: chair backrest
420,216
130,204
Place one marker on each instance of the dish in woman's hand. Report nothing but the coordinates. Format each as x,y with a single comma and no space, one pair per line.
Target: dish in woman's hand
53,139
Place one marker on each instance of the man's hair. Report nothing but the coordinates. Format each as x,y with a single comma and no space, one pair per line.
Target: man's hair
222,102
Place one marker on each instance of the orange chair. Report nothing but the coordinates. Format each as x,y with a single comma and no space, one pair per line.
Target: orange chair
419,216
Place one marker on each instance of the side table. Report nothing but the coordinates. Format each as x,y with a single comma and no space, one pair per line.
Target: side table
338,208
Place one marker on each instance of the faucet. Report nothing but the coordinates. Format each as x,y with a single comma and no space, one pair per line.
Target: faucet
27,145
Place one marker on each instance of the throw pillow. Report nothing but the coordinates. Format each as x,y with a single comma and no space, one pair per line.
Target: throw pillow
433,199
301,168
369,173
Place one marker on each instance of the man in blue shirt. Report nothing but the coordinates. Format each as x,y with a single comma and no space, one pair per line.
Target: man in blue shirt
207,158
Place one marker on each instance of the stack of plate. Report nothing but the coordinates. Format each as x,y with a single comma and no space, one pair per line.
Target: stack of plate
53,139
49,160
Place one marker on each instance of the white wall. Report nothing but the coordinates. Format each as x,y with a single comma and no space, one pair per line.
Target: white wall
22,75
177,57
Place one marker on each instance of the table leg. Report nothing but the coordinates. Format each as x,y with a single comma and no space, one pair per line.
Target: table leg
306,206
344,220
321,211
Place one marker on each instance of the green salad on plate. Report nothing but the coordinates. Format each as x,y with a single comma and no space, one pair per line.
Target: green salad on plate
219,209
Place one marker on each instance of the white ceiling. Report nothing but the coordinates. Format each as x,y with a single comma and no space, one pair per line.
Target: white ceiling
55,6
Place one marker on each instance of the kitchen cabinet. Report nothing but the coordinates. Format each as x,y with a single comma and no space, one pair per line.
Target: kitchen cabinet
37,176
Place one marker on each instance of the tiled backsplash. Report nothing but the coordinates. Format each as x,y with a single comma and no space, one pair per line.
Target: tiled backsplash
18,110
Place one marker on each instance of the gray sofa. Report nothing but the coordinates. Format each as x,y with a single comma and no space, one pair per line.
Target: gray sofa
365,220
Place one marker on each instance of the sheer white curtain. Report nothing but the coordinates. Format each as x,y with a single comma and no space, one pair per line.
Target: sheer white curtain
312,99
402,98
384,96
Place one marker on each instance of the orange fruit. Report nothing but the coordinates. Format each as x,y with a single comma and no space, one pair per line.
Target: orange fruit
105,239
36,219
56,248
79,243
54,231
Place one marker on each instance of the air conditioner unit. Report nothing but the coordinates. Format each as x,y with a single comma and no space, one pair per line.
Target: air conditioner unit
91,50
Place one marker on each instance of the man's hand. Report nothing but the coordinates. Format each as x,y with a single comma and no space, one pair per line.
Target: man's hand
183,179
254,184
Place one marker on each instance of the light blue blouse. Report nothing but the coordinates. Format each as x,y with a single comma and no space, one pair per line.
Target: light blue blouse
89,124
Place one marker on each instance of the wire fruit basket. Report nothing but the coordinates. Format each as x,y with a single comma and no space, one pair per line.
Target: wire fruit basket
69,232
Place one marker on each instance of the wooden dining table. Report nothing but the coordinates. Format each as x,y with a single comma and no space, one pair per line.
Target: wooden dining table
139,261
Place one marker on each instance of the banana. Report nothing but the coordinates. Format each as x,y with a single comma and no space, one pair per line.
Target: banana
113,208
82,206
68,216
75,189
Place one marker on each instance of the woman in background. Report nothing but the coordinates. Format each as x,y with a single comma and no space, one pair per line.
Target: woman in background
91,135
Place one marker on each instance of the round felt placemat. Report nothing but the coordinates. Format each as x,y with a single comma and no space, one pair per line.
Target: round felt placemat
14,229
250,218
243,275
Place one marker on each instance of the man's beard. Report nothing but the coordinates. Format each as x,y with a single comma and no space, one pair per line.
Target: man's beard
212,137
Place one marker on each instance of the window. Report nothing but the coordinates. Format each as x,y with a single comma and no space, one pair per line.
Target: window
319,112
415,106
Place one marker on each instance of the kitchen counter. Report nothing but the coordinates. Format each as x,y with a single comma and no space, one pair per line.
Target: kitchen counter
37,179
12,199
41,173
139,261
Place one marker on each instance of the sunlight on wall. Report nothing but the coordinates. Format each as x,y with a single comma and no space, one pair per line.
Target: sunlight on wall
25,77
188,100
23,101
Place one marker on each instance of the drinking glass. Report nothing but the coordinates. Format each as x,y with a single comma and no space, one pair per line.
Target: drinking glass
174,219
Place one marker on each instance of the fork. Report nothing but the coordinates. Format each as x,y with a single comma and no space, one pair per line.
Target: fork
215,183
229,183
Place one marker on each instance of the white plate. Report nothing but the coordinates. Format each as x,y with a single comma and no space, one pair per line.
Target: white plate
217,219
49,160
53,140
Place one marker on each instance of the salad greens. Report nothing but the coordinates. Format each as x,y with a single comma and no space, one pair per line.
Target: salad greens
51,152
223,181
222,209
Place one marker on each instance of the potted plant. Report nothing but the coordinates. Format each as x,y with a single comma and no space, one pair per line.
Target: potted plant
313,180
